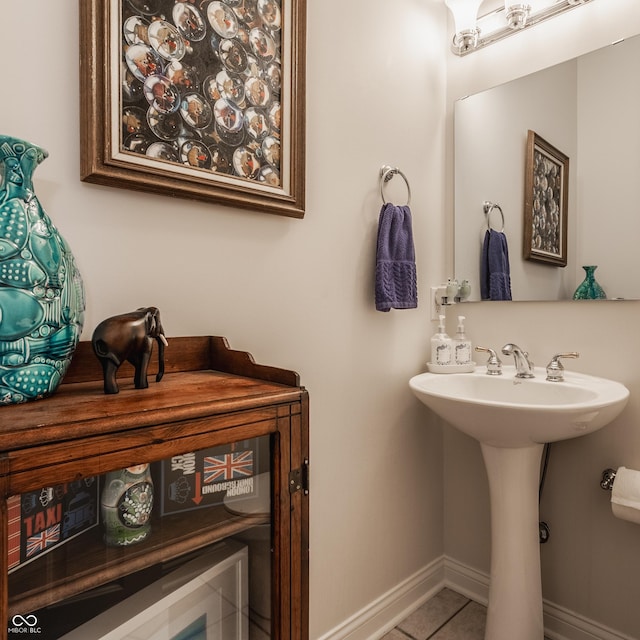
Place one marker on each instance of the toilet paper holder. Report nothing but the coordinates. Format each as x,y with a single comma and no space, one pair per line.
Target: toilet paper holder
608,476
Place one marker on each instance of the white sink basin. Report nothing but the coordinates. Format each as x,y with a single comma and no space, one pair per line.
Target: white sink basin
504,411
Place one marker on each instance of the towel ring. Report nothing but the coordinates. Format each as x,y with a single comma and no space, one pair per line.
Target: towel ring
488,208
386,173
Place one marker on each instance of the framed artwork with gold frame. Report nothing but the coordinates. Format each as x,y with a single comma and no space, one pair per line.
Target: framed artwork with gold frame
201,100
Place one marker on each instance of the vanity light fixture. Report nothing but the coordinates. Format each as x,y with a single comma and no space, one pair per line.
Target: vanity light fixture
465,15
473,32
516,14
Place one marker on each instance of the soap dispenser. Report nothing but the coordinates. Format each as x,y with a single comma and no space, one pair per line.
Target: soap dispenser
461,345
441,346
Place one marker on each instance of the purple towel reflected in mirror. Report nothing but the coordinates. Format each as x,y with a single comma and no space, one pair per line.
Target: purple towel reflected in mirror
495,273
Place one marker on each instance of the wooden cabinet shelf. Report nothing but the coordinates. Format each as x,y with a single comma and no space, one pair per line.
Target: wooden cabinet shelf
71,568
210,396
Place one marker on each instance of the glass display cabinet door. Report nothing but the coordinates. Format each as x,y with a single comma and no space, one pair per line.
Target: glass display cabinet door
180,548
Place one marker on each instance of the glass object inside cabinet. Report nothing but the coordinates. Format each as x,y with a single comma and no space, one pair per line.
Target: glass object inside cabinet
178,549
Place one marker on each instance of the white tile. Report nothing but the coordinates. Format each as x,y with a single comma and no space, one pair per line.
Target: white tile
394,634
426,620
469,624
447,616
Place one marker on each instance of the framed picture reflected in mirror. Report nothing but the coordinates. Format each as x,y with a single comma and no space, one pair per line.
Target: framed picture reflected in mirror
545,203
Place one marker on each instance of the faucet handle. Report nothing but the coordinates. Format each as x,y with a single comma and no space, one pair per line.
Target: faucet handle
555,370
494,364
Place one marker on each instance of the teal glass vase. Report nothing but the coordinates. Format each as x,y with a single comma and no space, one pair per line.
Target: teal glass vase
589,289
41,291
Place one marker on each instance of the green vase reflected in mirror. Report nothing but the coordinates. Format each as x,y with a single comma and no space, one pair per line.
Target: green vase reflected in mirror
589,289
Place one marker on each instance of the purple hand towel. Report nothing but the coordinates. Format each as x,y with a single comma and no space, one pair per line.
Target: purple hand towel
396,281
495,273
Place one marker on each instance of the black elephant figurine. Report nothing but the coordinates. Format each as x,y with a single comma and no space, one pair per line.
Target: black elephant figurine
129,337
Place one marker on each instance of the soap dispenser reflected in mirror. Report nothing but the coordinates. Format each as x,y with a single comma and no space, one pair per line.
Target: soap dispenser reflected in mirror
448,294
457,292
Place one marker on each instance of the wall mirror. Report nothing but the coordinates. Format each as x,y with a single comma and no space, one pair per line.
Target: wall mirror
586,108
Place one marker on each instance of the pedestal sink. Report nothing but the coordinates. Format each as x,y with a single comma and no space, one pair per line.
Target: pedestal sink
512,419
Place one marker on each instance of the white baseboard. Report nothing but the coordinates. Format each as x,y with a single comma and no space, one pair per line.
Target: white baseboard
559,623
562,624
466,581
384,613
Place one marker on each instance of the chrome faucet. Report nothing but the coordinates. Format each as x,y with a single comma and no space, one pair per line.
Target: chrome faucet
524,367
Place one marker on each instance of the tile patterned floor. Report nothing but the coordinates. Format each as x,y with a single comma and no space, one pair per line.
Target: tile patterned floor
447,616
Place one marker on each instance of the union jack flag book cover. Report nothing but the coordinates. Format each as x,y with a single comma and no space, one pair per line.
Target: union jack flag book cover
42,520
204,478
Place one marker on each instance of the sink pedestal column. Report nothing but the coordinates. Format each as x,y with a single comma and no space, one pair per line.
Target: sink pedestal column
515,590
